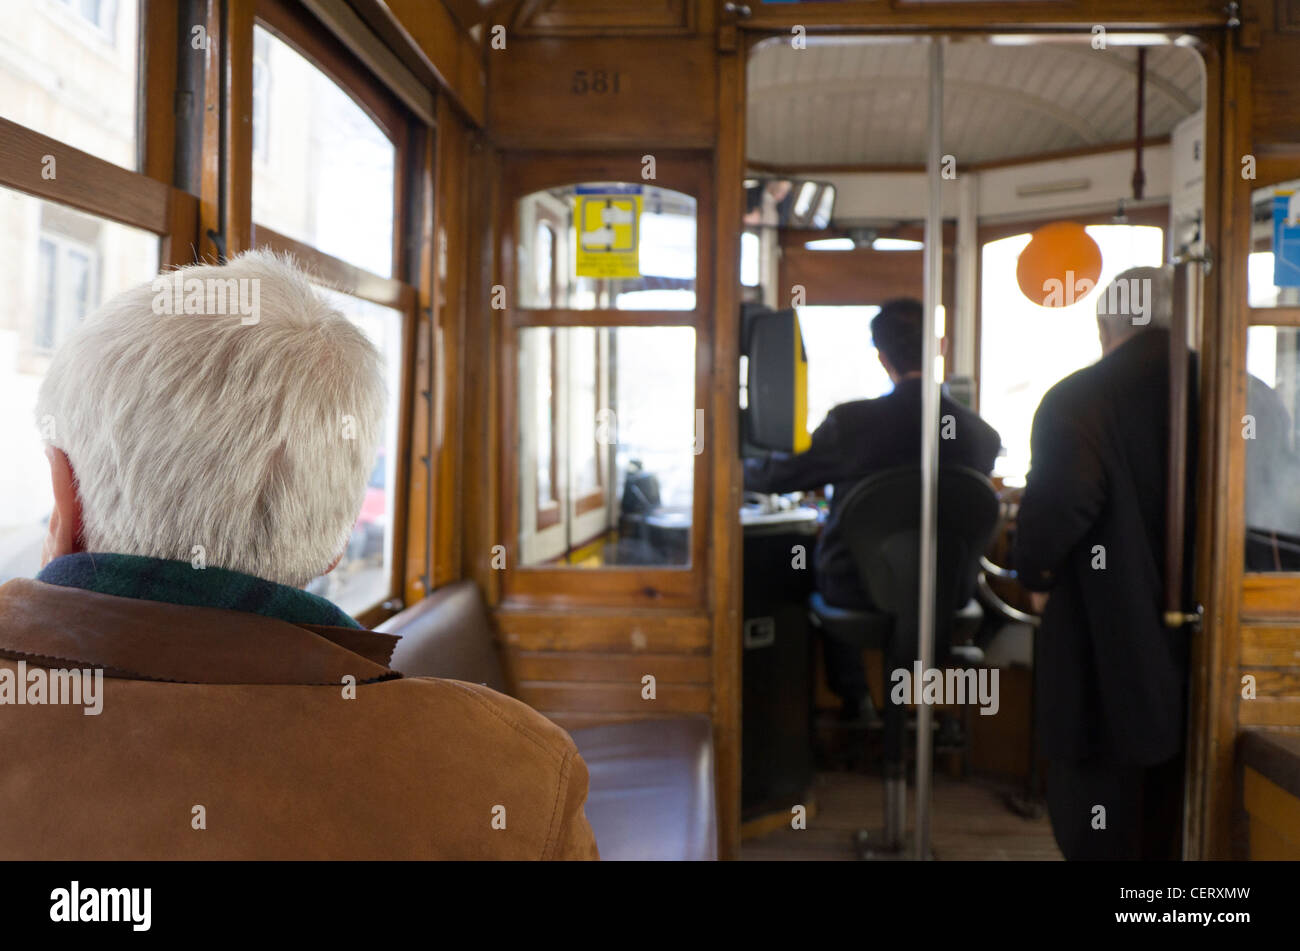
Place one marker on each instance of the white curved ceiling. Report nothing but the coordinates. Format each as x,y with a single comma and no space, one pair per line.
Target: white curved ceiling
855,103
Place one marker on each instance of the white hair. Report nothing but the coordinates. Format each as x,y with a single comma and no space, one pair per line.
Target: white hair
1138,299
190,421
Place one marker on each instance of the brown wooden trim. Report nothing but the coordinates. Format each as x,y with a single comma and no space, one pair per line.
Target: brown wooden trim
420,456
213,141
337,273
548,509
661,631
1220,553
1267,596
597,666
1270,645
424,29
1275,316
81,180
158,66
237,126
725,557
984,16
180,243
588,503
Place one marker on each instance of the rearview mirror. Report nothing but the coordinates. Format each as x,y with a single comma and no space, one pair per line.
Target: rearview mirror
788,203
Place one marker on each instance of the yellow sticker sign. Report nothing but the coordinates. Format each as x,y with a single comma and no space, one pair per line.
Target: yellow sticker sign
609,234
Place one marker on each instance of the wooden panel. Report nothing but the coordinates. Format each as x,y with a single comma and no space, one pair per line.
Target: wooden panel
158,71
557,17
604,631
726,566
1270,596
614,697
850,277
237,126
594,667
444,48
987,15
1277,702
1270,646
1288,16
1273,79
650,93
81,180
1274,818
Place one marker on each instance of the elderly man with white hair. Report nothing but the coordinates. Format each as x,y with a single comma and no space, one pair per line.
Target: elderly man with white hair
209,437
1111,679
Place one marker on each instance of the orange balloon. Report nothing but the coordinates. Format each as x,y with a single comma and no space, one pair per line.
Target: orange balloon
1059,266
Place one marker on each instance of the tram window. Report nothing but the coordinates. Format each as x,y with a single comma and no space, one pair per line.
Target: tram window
58,264
1273,279
842,361
68,69
635,249
621,423
363,578
323,172
1272,434
1026,348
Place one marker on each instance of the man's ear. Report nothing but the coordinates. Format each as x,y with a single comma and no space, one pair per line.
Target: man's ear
333,564
64,536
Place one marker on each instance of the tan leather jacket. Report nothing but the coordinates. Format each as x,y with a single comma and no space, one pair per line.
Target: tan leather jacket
228,735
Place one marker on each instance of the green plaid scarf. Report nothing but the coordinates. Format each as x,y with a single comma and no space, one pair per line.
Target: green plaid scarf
177,582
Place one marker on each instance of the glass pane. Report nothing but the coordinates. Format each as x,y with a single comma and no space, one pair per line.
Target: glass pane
842,361
58,265
68,69
617,246
1272,449
363,578
1026,348
322,168
1273,275
626,446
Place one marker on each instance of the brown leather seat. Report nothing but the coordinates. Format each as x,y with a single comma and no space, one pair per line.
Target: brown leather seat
651,794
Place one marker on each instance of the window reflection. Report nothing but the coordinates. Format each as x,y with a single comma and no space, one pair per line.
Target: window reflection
615,424
1272,449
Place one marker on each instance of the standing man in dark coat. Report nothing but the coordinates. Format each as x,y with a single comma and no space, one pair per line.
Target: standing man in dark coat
1111,679
856,440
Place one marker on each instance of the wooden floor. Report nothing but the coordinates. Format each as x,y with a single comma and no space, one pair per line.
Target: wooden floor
969,822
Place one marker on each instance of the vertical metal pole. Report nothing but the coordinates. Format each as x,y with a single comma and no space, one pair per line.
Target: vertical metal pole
929,442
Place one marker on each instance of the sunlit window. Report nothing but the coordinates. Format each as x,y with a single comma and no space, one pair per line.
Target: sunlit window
326,178
63,265
362,578
68,69
842,361
1026,348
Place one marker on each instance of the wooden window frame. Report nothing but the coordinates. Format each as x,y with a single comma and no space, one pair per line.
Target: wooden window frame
548,586
407,291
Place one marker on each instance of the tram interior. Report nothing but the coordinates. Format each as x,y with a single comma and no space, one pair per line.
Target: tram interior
541,517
